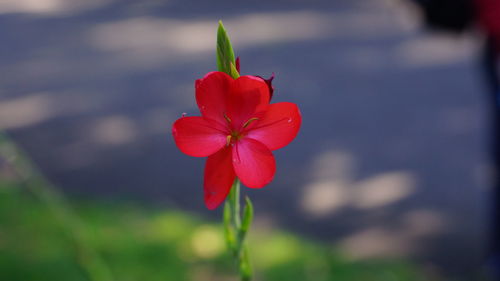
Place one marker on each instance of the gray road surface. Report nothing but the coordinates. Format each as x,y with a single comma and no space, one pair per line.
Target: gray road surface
392,158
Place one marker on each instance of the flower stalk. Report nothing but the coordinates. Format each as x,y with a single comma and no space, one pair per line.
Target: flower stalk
235,228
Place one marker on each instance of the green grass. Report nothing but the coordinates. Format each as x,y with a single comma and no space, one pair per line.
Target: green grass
141,243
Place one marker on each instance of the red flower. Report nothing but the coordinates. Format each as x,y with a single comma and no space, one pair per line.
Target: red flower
238,130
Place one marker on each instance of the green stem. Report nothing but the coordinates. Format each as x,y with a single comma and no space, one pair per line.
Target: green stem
234,200
86,255
237,233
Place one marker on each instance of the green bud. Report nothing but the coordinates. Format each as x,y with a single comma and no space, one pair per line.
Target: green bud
247,215
225,54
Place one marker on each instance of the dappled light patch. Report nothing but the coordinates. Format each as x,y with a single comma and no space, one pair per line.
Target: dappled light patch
277,250
170,226
436,49
383,189
376,242
50,7
114,130
206,242
26,111
332,187
324,198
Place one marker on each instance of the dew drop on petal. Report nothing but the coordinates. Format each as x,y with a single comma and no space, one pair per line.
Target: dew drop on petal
289,120
203,107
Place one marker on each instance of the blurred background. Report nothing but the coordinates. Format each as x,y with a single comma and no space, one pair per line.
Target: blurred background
388,179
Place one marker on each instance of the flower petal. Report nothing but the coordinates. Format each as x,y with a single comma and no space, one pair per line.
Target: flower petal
248,95
278,126
253,163
197,136
211,95
219,177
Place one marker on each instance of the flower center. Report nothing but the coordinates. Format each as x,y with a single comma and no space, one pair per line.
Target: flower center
236,134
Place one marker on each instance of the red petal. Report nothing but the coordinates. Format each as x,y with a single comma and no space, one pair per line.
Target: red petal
253,163
278,127
219,177
211,95
249,95
197,136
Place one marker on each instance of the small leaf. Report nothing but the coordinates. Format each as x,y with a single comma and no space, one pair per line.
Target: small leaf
247,215
225,53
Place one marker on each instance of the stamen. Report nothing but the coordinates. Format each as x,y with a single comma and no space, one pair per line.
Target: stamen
249,121
272,123
227,118
228,140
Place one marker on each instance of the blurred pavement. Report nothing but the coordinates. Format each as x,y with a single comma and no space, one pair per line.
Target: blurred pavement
392,158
